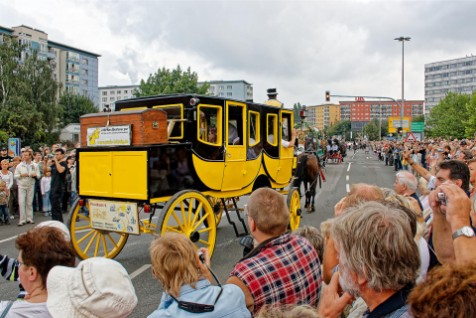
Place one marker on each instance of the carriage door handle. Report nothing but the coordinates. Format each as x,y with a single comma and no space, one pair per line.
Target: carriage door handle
228,155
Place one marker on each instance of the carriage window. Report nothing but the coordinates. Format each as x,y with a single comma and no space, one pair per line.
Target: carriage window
286,127
272,129
235,125
209,125
174,119
253,129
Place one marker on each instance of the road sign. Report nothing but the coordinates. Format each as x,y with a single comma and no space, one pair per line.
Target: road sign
410,137
394,123
418,126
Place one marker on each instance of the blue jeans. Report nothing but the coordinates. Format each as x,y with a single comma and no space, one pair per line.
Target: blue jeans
46,202
4,214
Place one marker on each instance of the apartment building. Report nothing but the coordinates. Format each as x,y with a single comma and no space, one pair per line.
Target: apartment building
75,70
110,94
361,112
238,89
457,75
322,116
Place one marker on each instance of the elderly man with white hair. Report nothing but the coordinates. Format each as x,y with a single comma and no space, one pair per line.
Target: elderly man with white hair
382,268
406,184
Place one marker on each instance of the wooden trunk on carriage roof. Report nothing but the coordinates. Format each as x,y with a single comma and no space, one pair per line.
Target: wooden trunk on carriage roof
148,126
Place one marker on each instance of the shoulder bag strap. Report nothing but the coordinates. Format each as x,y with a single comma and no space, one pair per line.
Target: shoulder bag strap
7,309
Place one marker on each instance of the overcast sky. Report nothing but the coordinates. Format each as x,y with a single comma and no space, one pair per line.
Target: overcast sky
302,48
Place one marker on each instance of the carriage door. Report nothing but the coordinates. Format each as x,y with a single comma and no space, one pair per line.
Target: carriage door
235,147
286,154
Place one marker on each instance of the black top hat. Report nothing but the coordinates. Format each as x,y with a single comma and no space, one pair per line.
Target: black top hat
272,91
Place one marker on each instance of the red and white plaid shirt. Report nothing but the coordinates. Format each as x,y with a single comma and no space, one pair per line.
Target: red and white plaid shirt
285,271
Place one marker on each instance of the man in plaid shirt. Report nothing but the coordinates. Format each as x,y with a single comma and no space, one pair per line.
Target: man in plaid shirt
283,269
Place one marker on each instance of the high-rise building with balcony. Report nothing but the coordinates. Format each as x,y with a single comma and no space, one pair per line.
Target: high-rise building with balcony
75,70
457,75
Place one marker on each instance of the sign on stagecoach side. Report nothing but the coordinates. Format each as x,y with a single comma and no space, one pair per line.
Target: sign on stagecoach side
109,136
114,216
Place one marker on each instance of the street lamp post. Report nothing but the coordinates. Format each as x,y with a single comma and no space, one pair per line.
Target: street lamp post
402,39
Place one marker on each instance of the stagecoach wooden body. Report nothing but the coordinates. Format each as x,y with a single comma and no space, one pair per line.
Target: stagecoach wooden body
183,158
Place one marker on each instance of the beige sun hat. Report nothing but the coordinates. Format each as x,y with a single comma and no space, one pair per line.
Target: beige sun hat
97,287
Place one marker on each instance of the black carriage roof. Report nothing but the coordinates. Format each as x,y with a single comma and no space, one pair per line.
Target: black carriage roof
148,101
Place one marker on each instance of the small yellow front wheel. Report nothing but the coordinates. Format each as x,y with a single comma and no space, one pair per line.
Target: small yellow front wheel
89,242
189,212
217,206
294,205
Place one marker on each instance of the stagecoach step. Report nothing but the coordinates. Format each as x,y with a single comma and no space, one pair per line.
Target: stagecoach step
238,234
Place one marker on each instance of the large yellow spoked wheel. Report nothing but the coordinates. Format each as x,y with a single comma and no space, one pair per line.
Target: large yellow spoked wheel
217,207
189,212
89,242
294,204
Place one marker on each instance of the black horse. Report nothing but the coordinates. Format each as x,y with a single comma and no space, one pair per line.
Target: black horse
308,171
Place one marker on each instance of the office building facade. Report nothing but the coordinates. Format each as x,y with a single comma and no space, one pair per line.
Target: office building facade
362,112
75,70
239,89
457,75
110,94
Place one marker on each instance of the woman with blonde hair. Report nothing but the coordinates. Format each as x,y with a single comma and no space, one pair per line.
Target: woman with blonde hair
185,276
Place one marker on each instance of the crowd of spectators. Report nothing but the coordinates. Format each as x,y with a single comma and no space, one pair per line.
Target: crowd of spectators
41,181
385,253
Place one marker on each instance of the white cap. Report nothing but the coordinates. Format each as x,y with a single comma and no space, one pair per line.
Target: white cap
97,287
57,225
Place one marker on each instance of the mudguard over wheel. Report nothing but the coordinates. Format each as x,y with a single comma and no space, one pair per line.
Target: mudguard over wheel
89,242
186,213
294,204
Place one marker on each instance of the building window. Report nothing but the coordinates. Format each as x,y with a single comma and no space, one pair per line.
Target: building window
119,91
112,99
104,93
221,87
229,87
112,92
104,99
229,94
125,91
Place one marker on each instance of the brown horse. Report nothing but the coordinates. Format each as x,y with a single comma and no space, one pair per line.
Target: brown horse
308,171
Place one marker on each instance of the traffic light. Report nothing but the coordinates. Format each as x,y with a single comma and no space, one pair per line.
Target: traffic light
328,96
399,130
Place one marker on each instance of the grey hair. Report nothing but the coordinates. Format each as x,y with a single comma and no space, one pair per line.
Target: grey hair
408,179
314,236
376,242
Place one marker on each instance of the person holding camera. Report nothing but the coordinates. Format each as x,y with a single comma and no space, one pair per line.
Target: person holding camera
452,218
58,182
185,276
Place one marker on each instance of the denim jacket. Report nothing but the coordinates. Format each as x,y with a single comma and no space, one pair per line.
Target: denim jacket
231,303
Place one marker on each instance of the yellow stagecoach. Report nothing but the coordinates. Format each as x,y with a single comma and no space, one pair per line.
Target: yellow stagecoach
186,158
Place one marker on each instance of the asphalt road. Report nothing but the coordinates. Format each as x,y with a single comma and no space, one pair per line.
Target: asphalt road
357,168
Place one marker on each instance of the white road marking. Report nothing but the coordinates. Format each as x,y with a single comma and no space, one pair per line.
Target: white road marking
8,239
139,271
348,168
347,178
355,154
347,188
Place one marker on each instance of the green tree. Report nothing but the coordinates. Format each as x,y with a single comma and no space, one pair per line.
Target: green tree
74,106
340,128
418,118
175,81
470,123
28,108
447,118
296,110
